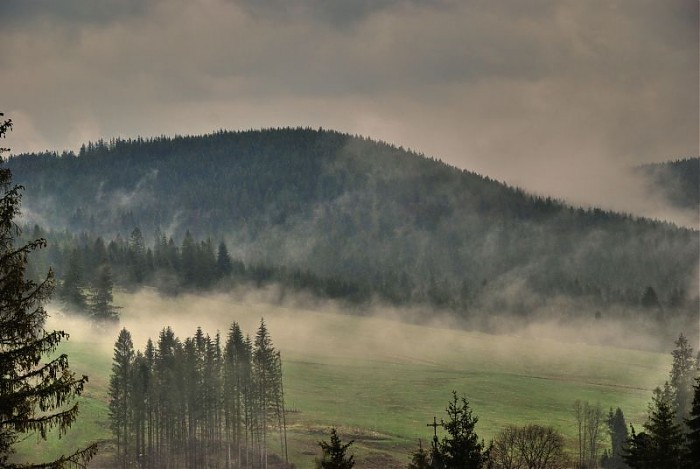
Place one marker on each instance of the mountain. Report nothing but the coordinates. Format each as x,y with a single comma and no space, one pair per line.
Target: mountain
393,223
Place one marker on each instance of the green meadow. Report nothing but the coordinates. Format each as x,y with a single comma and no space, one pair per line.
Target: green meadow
379,381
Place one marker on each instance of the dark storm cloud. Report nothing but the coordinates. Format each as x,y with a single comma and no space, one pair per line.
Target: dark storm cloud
20,12
555,96
336,12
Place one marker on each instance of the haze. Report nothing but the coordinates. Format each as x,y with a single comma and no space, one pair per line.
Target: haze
559,97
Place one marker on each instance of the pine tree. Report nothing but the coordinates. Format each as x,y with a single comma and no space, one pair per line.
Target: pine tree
462,447
665,433
71,291
683,372
120,393
101,308
237,377
34,396
617,429
662,445
265,376
223,261
334,454
136,257
140,383
693,436
639,451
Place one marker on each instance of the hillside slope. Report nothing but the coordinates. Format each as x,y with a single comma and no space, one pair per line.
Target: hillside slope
678,181
411,229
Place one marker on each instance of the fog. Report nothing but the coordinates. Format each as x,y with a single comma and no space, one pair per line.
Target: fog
323,330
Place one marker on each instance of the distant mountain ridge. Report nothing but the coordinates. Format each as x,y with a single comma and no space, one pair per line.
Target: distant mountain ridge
678,181
411,229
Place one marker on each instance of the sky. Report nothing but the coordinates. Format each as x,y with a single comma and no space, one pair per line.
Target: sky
556,96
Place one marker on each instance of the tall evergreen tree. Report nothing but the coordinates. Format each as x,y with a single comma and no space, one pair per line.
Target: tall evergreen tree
617,430
71,290
662,445
223,261
34,396
266,384
693,436
136,257
139,403
101,308
237,382
120,393
461,448
683,373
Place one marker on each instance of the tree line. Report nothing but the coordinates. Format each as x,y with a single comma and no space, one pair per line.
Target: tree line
88,267
198,402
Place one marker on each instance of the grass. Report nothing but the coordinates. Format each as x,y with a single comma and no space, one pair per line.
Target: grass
379,381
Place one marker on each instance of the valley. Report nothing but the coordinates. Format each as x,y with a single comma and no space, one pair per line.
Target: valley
379,381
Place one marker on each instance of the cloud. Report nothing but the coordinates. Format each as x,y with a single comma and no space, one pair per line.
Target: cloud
544,94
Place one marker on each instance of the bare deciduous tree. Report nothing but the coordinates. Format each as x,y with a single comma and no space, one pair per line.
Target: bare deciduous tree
589,422
529,447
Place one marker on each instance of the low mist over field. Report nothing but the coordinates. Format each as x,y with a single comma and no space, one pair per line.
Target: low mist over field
321,328
330,359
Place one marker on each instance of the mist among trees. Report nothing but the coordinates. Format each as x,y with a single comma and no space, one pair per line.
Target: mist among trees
199,402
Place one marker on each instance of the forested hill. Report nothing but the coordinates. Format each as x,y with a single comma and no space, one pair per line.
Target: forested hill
678,180
393,223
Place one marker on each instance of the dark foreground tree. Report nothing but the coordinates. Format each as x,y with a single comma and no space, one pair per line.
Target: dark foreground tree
334,454
120,385
662,445
693,436
617,429
34,396
461,448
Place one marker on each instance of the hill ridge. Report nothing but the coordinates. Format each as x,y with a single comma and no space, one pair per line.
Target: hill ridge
413,228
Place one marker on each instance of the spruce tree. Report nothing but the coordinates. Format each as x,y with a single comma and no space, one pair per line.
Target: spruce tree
101,308
237,372
136,257
334,454
71,291
462,447
662,446
617,429
683,372
34,396
266,385
120,393
140,381
223,261
693,436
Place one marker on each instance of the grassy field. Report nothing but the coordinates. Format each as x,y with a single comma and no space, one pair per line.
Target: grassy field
378,380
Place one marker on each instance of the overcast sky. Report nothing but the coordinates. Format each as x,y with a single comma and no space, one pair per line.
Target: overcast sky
552,95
